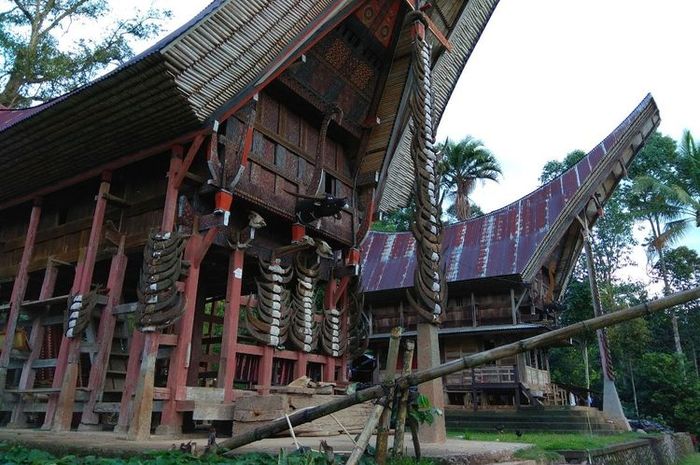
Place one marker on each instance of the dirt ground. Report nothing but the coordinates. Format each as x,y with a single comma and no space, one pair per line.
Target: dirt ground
454,451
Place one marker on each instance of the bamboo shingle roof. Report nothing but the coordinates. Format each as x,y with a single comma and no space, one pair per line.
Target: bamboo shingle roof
217,60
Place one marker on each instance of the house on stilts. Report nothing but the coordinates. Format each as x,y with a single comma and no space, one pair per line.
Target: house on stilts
192,229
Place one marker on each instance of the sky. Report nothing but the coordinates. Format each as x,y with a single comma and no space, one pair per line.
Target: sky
551,76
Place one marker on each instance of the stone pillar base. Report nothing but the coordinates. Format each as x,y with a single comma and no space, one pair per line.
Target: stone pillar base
168,430
612,408
89,427
429,356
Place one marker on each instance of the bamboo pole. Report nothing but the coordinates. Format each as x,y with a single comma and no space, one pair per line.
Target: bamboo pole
468,361
403,402
366,435
389,375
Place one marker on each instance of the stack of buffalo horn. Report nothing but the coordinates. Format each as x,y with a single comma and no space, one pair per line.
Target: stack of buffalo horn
358,323
79,312
332,340
160,302
304,334
271,323
429,287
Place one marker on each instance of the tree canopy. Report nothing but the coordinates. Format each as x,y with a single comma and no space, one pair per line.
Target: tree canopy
462,166
37,60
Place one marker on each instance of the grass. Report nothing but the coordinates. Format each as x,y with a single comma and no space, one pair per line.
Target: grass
691,460
545,445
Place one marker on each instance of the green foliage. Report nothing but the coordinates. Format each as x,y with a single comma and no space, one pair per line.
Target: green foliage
669,391
691,460
554,168
13,454
398,220
424,412
36,63
462,166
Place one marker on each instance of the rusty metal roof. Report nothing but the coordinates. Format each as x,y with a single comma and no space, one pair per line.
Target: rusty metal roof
514,239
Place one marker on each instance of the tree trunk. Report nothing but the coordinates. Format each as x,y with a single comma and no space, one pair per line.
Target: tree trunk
667,291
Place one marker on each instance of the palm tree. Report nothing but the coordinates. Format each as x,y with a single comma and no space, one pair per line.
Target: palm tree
653,201
462,165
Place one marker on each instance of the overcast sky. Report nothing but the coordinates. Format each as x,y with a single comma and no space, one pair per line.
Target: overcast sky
551,76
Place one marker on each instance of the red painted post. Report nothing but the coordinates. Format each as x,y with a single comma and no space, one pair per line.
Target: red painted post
136,417
62,358
66,398
171,419
36,339
19,288
344,303
298,231
265,373
227,363
105,333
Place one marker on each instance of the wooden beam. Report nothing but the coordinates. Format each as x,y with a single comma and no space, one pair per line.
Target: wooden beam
66,398
36,340
19,288
187,161
105,334
171,419
227,364
468,361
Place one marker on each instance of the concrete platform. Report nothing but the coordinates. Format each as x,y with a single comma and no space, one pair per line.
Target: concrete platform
454,451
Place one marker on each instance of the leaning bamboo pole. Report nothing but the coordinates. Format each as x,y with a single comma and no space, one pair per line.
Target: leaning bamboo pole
468,361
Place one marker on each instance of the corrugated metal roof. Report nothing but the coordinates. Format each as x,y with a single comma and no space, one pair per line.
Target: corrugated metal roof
505,241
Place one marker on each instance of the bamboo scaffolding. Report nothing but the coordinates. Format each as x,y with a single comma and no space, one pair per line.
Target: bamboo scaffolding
465,362
403,402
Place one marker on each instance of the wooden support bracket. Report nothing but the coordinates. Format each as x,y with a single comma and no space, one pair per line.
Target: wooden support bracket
187,161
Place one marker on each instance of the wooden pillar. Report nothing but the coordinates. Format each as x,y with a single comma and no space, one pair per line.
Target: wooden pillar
612,407
300,365
171,419
227,363
36,339
428,357
136,416
196,344
66,398
132,374
19,288
105,334
265,373
62,354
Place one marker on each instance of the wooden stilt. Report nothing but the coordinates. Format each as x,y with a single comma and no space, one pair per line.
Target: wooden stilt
105,334
388,381
171,418
403,403
265,373
66,398
61,360
139,420
36,339
132,373
227,364
19,288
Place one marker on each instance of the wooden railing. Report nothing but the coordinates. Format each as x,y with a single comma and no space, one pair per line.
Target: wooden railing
493,374
534,378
